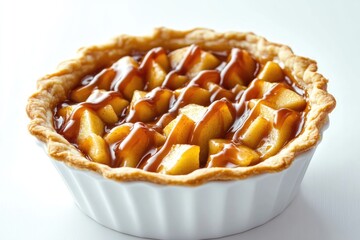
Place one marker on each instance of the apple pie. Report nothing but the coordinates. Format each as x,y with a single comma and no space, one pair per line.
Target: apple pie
181,107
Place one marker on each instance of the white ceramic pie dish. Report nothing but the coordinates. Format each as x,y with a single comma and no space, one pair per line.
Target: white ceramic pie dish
165,206
211,210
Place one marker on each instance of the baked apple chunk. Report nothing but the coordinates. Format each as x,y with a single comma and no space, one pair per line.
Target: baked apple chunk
90,138
175,111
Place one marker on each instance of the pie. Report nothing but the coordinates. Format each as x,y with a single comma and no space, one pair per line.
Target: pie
181,107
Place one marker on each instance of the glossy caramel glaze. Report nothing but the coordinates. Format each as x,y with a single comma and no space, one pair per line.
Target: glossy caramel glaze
232,84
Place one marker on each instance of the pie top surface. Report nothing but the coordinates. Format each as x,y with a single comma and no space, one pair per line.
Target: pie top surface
181,107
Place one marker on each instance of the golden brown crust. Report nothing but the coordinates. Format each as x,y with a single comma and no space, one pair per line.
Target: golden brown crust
53,88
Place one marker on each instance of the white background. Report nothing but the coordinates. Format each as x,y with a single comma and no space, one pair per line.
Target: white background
36,35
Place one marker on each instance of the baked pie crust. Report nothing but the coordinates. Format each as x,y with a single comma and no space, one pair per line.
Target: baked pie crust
54,88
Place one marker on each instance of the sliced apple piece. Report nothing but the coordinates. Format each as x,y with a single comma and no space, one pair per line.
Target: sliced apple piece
65,112
143,111
175,81
118,133
181,159
107,114
169,127
193,111
286,98
161,98
89,140
118,104
238,90
215,123
206,61
217,145
217,92
109,98
179,134
111,104
239,70
163,60
192,94
264,87
262,108
204,78
232,155
155,75
129,79
125,62
258,108
262,103
132,149
177,56
280,96
255,132
266,110
140,111
159,139
180,120
138,95
105,79
179,91
201,61
80,94
196,95
233,79
96,148
252,103
136,83
90,123
271,72
283,130
146,106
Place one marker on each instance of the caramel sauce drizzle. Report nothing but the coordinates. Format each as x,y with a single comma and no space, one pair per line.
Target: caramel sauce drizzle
71,128
152,162
139,132
117,77
225,157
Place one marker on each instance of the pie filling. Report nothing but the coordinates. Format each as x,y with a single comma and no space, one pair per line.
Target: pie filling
173,112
